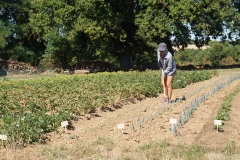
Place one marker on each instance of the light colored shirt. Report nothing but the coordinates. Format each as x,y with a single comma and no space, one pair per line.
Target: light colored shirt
167,64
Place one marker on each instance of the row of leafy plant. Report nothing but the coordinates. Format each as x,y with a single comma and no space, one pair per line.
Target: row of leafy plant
30,108
226,107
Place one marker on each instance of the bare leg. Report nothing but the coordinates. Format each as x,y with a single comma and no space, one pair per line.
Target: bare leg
164,84
168,83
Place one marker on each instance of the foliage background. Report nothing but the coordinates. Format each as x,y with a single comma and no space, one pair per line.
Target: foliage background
125,33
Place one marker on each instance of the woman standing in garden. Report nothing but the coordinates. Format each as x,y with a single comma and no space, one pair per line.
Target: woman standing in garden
166,63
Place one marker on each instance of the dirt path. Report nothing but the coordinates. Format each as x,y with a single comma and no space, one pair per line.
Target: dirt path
148,119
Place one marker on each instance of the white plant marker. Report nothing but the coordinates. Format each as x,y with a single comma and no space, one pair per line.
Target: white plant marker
64,125
3,137
173,122
121,126
217,122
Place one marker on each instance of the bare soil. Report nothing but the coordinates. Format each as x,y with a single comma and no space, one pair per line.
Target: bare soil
147,119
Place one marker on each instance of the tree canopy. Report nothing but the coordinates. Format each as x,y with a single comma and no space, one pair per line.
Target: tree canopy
123,32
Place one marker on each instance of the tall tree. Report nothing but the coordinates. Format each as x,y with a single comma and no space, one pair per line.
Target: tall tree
183,20
127,30
67,27
17,41
82,29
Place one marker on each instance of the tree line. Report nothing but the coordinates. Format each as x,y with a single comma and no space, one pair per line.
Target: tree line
122,32
216,54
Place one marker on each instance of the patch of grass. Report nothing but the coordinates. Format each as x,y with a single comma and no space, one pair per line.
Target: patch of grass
78,151
195,152
108,143
151,145
164,150
161,150
64,152
230,149
157,150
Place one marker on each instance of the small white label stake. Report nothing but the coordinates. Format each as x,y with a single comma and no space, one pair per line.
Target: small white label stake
173,122
120,126
3,137
64,125
218,123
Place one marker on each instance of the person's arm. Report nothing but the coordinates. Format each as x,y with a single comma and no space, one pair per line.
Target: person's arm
159,63
169,64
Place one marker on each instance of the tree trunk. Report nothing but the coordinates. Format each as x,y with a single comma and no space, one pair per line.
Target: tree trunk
125,60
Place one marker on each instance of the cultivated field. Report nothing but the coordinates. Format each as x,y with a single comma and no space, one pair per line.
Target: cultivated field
145,131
